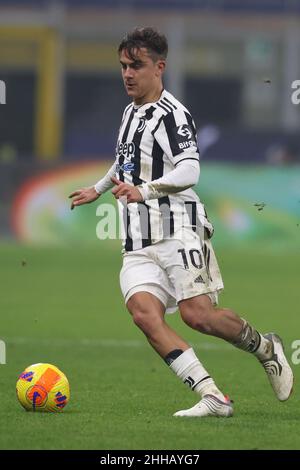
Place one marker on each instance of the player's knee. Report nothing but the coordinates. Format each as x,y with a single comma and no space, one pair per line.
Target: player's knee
198,318
142,316
146,321
140,319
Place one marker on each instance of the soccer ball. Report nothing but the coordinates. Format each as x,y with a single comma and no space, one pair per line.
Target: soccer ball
43,387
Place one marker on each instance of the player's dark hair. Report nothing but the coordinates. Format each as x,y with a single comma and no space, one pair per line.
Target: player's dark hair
155,43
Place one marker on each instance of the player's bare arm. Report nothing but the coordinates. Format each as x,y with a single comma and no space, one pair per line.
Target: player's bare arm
83,196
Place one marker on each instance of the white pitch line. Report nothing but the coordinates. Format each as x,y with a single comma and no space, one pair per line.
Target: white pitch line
105,342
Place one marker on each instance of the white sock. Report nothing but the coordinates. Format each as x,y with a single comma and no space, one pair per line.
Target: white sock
190,370
264,350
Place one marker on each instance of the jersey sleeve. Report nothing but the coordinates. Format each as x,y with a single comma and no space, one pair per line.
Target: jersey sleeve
184,176
176,135
105,183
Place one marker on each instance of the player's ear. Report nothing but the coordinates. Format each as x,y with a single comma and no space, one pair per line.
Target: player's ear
161,65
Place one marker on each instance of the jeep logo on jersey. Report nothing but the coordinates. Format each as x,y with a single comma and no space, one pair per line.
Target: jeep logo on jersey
126,149
184,136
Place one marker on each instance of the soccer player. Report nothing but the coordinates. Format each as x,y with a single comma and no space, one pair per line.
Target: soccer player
168,259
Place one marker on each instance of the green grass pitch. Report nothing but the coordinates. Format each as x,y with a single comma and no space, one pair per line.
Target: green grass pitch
64,306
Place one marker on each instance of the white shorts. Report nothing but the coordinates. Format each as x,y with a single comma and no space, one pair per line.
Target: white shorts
173,270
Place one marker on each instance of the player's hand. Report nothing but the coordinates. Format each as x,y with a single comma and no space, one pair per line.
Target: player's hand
131,193
83,196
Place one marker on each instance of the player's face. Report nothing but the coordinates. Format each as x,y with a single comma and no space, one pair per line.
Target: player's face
142,76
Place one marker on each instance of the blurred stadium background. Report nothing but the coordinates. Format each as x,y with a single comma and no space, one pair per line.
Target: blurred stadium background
232,63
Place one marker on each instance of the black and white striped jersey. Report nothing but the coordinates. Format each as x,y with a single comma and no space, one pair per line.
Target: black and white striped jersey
153,139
